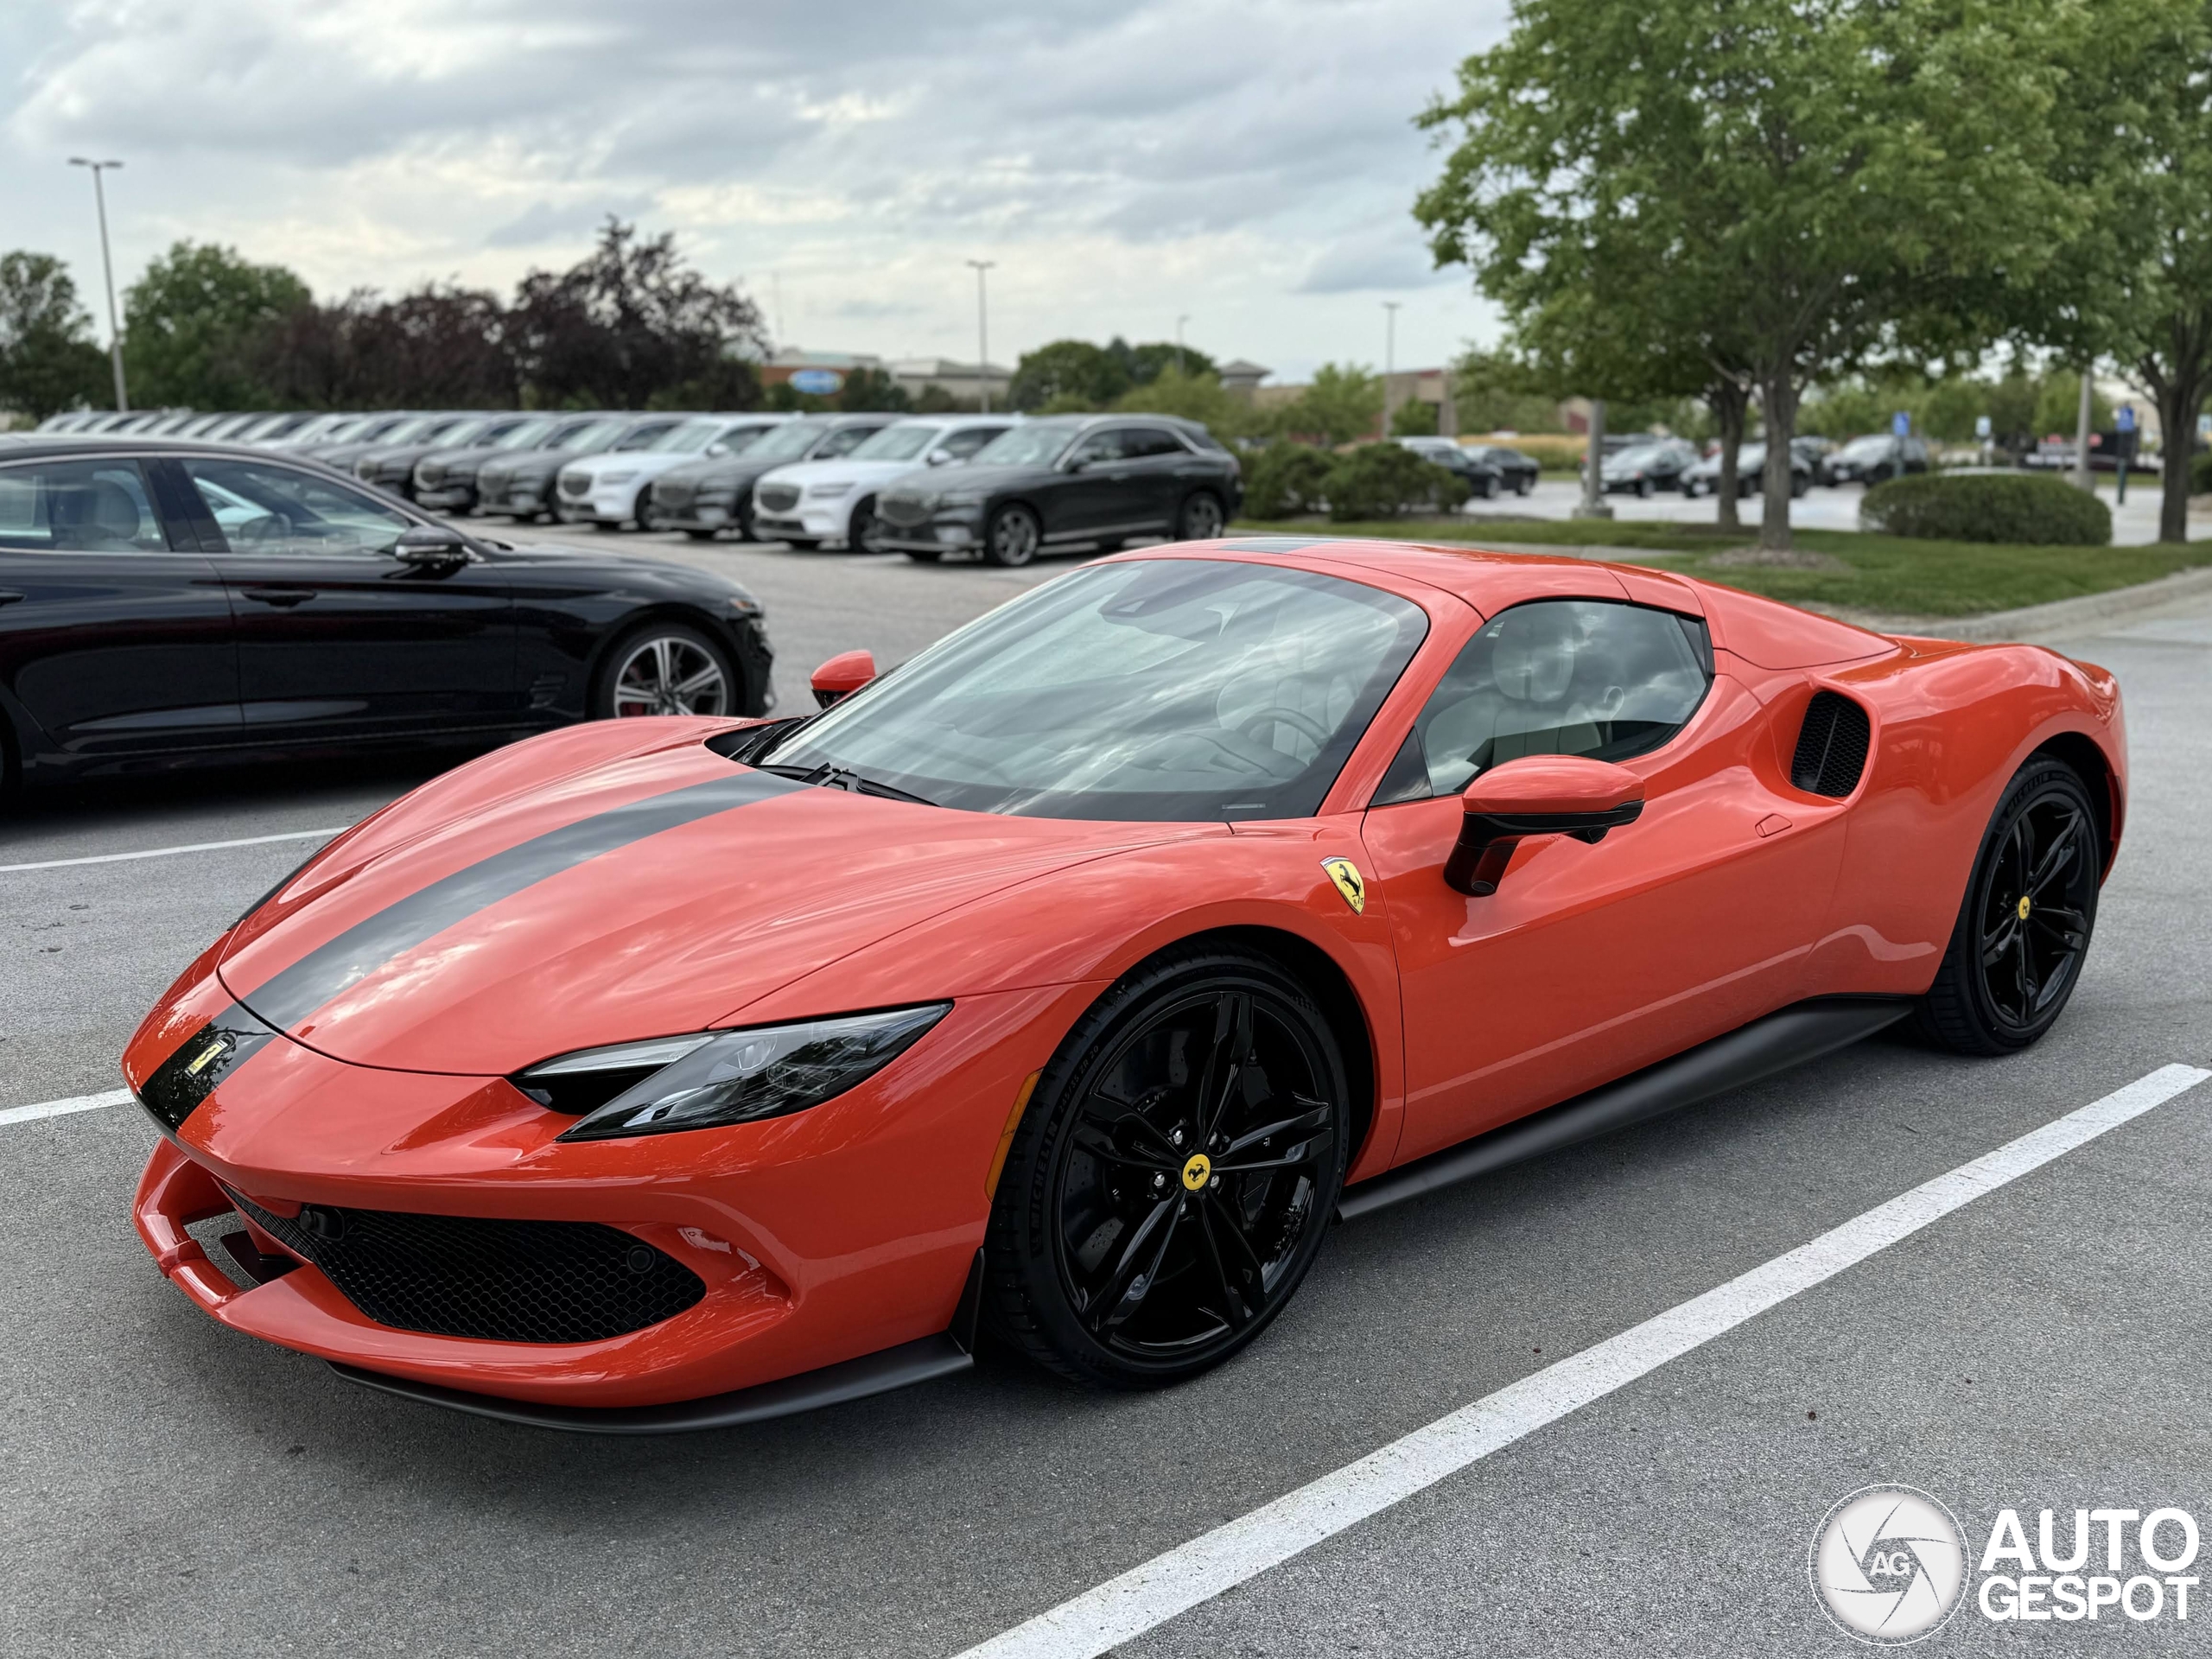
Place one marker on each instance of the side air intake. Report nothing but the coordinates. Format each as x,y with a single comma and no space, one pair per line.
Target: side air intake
1831,746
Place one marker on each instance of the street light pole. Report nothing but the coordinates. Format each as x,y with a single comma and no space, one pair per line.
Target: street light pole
982,336
2082,480
107,270
1390,356
1593,504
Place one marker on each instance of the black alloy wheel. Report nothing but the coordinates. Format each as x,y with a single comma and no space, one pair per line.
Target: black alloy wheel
2031,907
1488,488
1201,518
1526,484
1014,537
1173,1175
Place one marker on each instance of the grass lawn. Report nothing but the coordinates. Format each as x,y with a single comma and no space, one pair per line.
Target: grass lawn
1887,574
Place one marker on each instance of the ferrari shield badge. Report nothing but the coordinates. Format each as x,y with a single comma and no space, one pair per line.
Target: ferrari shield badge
1349,882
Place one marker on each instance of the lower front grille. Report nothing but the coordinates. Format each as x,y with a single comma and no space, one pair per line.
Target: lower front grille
672,497
902,509
499,1281
778,497
575,484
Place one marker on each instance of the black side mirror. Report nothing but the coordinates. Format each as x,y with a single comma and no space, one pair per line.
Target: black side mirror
431,547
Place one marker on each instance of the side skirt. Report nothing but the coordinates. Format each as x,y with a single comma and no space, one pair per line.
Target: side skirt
1766,1046
946,1354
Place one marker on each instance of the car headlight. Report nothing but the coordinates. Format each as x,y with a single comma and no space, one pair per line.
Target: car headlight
827,491
710,1079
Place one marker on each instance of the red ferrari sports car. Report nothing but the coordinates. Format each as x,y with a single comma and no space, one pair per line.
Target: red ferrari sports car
1066,982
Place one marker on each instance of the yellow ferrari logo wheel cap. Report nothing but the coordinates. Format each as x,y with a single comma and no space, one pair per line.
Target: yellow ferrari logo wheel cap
1196,1171
2026,905
1349,882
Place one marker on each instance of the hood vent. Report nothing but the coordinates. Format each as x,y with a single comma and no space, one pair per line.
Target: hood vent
1831,746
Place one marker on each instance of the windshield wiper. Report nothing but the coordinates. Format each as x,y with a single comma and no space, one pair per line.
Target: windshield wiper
830,775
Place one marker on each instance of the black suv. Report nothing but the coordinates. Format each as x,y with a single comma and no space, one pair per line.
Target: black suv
1090,479
1875,459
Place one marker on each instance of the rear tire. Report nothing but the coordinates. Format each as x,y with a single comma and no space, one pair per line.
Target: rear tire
1201,518
2024,925
1120,1257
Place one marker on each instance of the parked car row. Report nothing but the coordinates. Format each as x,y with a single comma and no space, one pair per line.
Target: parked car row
1490,469
858,480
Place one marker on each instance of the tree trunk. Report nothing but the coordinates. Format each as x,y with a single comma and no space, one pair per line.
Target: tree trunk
1729,400
1778,403
2178,387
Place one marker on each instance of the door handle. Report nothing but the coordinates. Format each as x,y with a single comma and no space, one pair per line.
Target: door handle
8,595
282,597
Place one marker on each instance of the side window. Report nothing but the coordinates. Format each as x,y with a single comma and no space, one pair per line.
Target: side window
1142,442
962,444
268,509
1099,447
1557,677
79,506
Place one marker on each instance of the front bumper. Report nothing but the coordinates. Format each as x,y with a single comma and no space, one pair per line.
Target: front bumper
607,506
702,512
820,1238
808,523
945,530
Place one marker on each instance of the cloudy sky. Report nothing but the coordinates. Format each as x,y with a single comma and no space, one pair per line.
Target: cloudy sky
1249,163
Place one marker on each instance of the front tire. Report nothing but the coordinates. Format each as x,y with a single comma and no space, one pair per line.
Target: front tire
860,534
2023,929
667,667
1013,538
1173,1176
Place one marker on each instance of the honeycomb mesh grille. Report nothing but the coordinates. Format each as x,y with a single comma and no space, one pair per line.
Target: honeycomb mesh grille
1831,746
778,498
500,1281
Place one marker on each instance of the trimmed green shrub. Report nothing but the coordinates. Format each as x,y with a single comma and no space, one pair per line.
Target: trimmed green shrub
2200,474
1285,480
2011,508
1381,480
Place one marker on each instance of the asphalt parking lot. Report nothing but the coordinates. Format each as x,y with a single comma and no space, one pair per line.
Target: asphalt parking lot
169,1487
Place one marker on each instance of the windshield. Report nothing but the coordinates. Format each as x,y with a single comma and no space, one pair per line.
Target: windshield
900,442
1036,445
525,436
398,432
786,442
1173,689
589,437
688,439
1877,445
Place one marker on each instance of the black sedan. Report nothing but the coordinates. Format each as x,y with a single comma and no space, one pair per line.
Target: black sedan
1094,481
1490,469
704,497
164,603
1643,467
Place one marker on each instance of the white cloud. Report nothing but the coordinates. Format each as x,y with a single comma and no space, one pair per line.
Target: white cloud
1252,164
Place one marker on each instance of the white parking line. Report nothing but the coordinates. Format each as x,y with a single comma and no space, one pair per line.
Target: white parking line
1150,1595
63,1108
171,852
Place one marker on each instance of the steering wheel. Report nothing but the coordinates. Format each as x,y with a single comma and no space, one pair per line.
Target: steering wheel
1290,717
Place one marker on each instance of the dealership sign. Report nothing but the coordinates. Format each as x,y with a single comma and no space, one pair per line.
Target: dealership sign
818,382
1890,1566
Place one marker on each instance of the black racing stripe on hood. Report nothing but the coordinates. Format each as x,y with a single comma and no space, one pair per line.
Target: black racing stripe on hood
300,990
178,1086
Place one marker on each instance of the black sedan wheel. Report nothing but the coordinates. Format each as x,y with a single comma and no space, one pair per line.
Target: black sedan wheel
2030,908
1173,1175
1014,537
1201,518
666,668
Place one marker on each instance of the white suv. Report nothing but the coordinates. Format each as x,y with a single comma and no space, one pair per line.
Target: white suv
614,489
810,502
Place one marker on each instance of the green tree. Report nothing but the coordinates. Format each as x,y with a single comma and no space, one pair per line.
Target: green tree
1825,176
1146,363
1342,403
48,360
193,325
2058,406
2135,137
1413,419
1068,369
